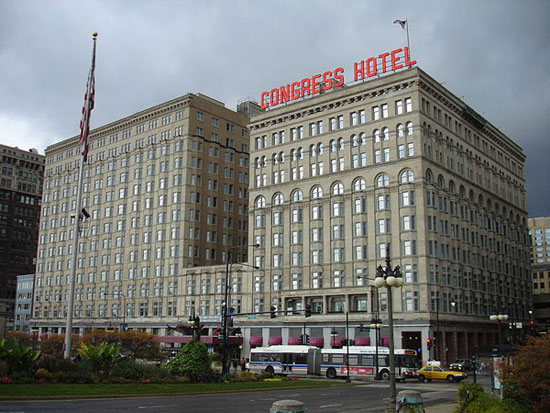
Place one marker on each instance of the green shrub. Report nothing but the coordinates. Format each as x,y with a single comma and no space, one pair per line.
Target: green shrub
193,362
43,374
485,403
20,359
61,377
132,371
100,357
244,376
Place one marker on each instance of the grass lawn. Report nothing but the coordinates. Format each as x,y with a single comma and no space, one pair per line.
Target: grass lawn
28,391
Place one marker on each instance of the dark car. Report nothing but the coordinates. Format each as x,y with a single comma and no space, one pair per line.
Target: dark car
461,365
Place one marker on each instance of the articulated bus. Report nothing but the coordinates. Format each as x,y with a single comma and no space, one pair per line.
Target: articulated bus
304,360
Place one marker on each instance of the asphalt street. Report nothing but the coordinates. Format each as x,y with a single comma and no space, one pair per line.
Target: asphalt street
359,397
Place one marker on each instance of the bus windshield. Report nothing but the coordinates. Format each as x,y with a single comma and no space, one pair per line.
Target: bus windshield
405,360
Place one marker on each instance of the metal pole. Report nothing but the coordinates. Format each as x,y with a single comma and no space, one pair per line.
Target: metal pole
225,369
436,346
393,390
347,349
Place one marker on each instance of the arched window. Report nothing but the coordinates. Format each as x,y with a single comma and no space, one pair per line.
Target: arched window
333,145
293,155
338,188
452,188
274,159
440,182
260,202
376,135
382,180
297,196
429,176
354,141
317,192
264,161
312,150
281,157
386,133
409,127
461,191
359,185
300,153
320,148
363,137
340,144
407,176
278,199
257,163
400,130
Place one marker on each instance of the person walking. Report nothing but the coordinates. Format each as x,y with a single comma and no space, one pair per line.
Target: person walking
235,364
243,365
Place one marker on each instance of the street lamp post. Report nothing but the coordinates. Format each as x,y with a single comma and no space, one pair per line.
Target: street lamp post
390,278
225,361
499,317
375,323
436,344
347,349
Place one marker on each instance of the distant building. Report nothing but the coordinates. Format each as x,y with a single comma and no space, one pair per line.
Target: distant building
395,163
166,189
21,179
23,302
539,231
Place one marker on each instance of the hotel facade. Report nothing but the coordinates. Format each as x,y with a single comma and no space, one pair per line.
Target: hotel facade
539,232
165,189
397,165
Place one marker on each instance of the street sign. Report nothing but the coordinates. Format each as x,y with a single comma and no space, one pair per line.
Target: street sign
251,316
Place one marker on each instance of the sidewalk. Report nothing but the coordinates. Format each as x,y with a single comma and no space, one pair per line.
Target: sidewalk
441,408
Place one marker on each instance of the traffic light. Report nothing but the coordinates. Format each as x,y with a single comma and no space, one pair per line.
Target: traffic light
273,312
308,310
429,343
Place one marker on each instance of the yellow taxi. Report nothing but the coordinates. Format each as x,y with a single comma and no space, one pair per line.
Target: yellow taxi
437,373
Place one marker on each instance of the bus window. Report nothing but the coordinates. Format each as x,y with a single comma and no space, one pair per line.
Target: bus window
367,360
337,359
383,361
354,360
326,358
300,358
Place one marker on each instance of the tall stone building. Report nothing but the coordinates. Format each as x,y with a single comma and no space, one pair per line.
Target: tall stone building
21,178
165,189
539,231
397,164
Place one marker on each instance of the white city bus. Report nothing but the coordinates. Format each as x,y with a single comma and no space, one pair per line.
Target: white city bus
298,360
303,360
362,362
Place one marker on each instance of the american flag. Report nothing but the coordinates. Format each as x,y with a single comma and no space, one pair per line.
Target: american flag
401,22
87,108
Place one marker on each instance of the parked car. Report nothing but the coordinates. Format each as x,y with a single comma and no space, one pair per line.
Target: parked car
437,373
461,365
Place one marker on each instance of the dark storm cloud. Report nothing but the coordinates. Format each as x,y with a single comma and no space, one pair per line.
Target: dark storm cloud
493,54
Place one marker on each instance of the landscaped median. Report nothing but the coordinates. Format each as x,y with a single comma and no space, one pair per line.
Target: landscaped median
58,390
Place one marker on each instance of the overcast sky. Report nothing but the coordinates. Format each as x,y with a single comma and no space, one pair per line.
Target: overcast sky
495,54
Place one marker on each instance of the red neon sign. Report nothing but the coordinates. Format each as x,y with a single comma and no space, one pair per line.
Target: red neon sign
309,86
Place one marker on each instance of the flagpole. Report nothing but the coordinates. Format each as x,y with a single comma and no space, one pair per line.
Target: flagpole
408,44
84,126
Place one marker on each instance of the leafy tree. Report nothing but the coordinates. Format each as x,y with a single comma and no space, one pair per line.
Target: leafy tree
139,345
101,357
97,337
193,362
17,358
53,346
23,339
527,379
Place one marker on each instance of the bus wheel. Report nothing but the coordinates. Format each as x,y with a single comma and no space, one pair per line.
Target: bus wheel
269,370
331,373
385,374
